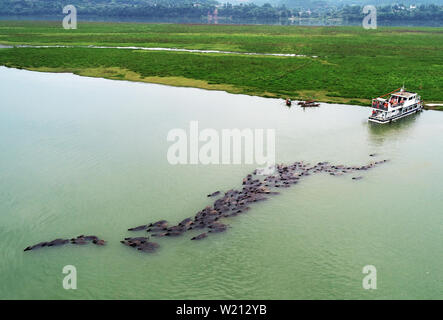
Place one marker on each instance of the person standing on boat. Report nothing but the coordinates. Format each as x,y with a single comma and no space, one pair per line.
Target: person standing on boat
288,102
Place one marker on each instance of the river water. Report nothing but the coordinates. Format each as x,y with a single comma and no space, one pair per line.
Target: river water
88,156
163,49
221,20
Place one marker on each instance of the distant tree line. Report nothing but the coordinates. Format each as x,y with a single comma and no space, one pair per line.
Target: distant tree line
110,8
201,8
397,12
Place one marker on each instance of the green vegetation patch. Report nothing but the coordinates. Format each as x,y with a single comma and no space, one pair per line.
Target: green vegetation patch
352,65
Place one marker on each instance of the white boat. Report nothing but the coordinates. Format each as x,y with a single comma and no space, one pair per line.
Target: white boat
400,104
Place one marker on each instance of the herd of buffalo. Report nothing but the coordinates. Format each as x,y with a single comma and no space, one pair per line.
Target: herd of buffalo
255,188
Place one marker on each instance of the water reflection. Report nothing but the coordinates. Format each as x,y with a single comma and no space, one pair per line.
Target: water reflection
379,133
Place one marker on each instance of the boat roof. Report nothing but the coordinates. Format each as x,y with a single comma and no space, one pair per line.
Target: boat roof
405,94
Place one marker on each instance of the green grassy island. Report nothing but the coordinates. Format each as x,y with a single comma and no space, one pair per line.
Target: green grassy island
347,65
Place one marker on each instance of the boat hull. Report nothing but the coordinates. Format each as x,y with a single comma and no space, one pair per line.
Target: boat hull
418,108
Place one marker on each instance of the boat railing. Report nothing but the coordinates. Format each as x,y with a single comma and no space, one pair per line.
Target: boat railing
376,104
396,105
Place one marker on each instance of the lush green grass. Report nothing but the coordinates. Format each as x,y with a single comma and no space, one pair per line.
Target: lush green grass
352,63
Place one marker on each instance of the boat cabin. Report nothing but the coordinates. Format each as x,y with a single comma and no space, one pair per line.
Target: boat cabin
397,100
